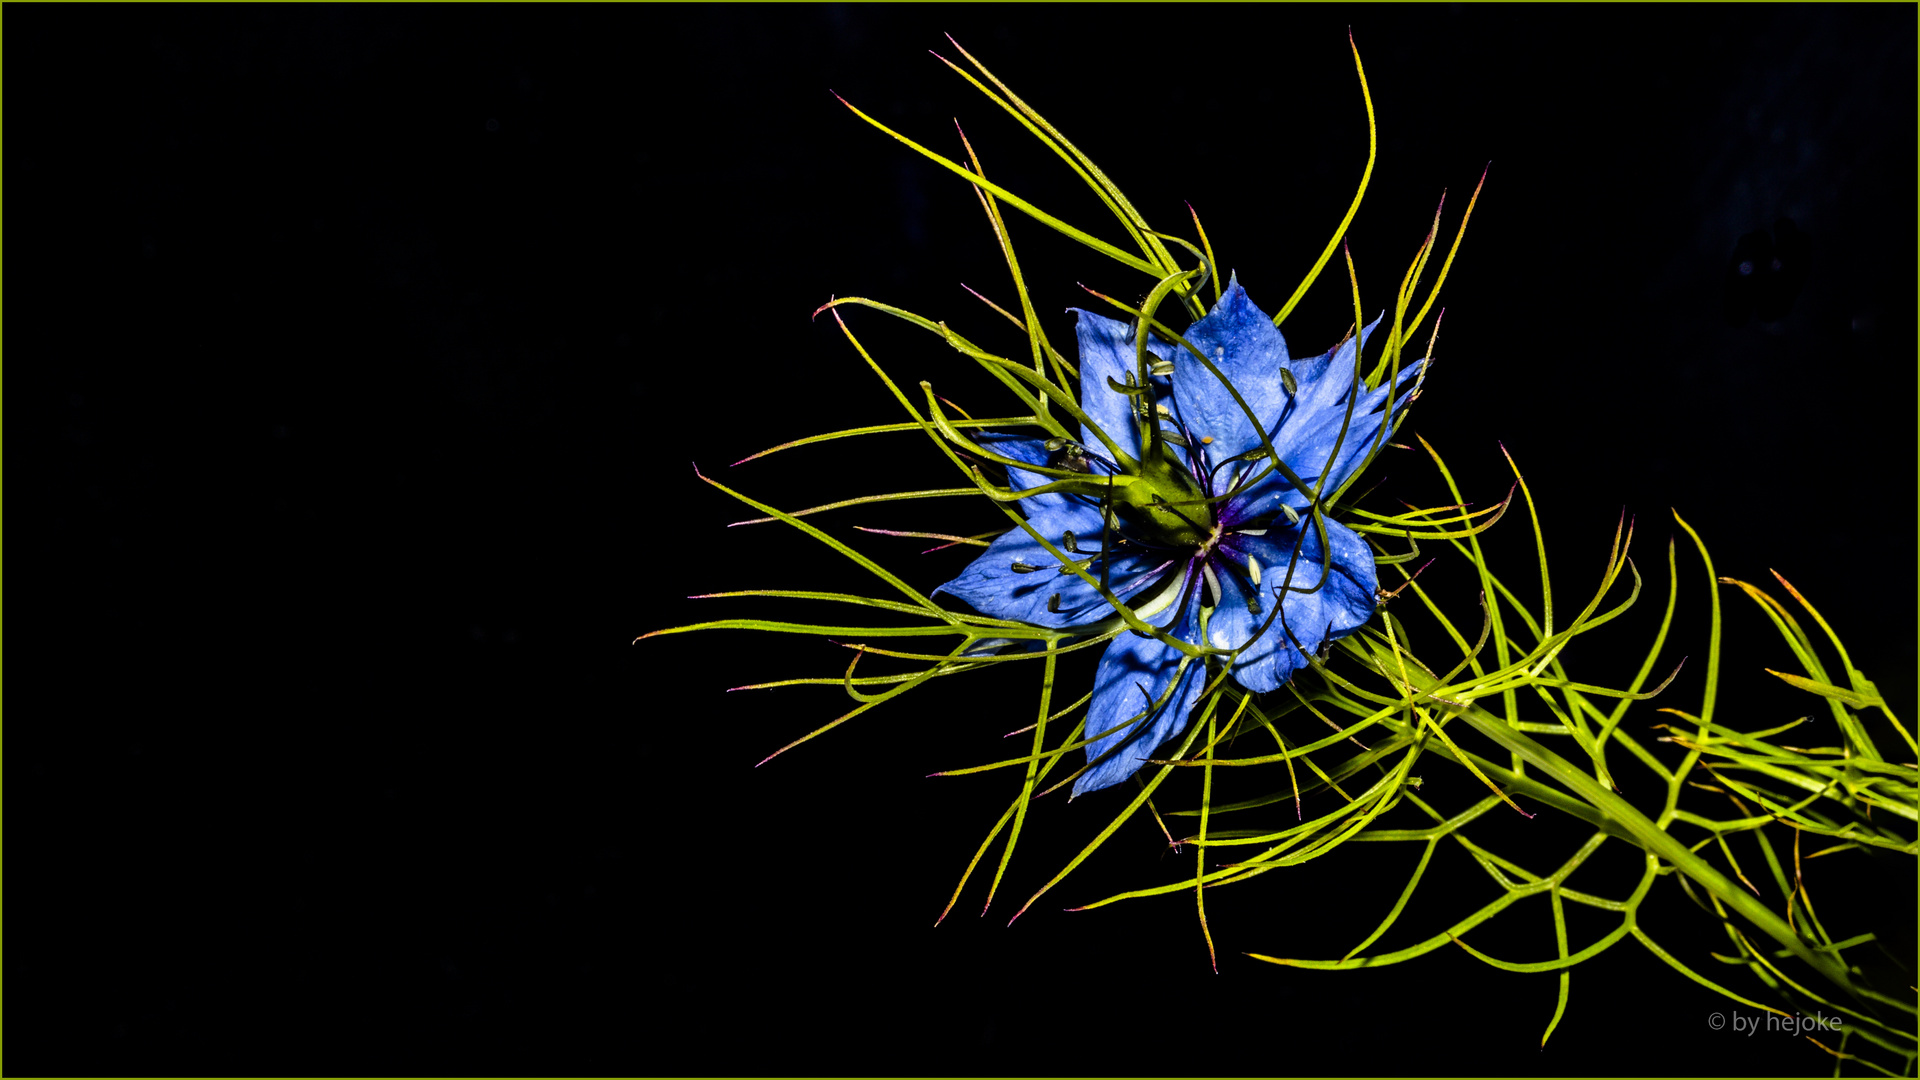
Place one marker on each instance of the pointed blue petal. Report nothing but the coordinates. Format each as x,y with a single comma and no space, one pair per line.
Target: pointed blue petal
991,586
1106,353
1271,658
1322,398
1134,672
1335,610
1309,445
1325,379
1243,344
1306,440
1032,451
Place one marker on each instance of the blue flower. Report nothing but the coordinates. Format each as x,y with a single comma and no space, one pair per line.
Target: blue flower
1223,550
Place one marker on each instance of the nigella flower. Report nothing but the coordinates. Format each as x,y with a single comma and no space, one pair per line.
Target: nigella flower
1197,527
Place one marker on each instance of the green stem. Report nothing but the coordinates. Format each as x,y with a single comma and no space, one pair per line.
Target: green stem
1650,837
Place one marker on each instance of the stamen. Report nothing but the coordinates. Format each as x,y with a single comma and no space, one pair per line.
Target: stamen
1287,380
1053,603
1213,582
1070,542
1160,603
1255,454
1071,457
1161,367
1024,568
1076,458
1251,532
1184,592
1253,567
1207,439
1143,582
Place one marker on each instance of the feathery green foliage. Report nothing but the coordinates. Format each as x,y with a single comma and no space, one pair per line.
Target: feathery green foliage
1503,686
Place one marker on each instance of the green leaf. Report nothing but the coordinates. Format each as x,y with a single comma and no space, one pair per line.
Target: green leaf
1827,690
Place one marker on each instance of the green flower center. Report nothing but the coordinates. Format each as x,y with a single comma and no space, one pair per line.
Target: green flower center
1163,505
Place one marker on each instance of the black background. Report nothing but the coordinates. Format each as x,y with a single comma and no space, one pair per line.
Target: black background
360,355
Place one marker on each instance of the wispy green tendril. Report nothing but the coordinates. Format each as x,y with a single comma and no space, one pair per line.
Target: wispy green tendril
1739,815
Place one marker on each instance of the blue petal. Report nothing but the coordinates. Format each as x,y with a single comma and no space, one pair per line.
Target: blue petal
1305,441
1106,353
1324,380
1314,420
1133,672
1033,452
991,586
1337,609
1271,659
1242,342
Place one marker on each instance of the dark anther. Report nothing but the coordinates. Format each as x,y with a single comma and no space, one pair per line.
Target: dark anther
1053,603
1023,568
1070,542
1069,456
1287,380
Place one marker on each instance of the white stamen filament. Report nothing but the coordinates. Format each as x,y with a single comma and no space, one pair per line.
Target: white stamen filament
1140,583
1162,602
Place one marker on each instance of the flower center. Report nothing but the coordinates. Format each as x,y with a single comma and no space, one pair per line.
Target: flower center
1165,506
